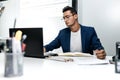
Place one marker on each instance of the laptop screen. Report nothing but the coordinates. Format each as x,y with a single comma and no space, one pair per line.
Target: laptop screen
33,41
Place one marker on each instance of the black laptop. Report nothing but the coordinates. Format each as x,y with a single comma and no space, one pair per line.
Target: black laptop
33,41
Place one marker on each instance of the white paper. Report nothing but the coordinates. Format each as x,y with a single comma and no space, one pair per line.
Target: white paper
92,61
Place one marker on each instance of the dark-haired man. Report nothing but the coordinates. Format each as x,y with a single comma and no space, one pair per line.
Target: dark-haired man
76,37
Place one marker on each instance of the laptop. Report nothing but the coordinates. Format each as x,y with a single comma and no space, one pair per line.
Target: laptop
33,41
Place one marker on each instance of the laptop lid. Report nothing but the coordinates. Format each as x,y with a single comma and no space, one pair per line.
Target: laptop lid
34,41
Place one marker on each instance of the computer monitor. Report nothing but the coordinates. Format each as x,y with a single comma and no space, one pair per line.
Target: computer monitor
34,41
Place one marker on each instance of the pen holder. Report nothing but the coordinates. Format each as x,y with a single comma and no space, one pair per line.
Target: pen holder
13,64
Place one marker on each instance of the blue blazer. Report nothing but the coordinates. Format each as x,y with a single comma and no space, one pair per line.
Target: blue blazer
89,39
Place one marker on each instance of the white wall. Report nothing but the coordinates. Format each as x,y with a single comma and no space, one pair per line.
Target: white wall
43,13
104,15
34,13
7,19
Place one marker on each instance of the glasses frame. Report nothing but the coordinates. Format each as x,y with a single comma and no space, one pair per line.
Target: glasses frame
67,17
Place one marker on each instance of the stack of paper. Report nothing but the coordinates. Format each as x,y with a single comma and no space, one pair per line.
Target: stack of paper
75,54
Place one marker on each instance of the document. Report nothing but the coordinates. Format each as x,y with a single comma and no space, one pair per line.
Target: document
92,61
75,54
79,58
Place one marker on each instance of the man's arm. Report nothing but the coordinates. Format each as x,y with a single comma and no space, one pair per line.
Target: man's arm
98,48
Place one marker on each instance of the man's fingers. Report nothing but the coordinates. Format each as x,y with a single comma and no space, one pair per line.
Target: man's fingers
100,54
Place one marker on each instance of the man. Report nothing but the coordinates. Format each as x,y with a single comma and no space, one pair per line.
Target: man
76,38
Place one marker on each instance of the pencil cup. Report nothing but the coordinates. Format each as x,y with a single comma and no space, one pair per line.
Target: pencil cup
13,64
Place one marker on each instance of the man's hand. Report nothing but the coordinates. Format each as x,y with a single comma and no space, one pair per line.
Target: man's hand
100,54
44,50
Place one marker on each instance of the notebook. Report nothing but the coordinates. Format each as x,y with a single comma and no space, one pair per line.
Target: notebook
33,41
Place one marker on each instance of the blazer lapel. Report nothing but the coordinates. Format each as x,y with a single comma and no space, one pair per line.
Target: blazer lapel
82,38
68,41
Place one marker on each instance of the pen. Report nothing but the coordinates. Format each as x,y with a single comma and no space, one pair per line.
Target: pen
61,59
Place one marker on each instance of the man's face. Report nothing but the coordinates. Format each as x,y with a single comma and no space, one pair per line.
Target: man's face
69,18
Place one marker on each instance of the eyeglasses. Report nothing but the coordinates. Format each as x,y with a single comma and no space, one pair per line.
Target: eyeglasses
67,17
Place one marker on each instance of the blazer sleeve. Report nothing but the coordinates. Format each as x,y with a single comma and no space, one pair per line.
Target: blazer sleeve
96,41
54,44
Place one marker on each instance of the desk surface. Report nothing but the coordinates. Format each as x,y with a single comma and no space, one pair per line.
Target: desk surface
44,69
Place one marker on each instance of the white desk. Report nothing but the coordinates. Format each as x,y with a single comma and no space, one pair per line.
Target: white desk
42,69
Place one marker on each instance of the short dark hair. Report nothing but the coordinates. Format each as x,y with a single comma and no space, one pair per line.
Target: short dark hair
73,11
